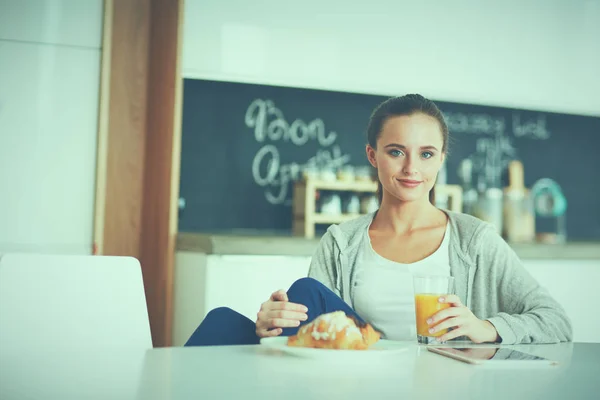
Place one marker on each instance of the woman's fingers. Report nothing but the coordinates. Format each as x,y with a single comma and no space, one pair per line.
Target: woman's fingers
279,295
282,323
286,305
277,313
270,332
451,299
444,314
267,327
279,319
452,335
448,323
283,314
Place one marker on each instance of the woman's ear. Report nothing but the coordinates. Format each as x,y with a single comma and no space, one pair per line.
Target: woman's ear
371,155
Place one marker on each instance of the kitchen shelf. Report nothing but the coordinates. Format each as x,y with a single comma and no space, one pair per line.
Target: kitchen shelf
342,186
305,216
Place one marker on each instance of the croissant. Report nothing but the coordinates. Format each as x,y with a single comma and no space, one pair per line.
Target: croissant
335,331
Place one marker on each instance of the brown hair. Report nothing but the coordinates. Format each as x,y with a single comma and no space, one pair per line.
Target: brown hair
399,106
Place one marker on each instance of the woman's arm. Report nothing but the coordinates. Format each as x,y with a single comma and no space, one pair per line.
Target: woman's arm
322,264
527,312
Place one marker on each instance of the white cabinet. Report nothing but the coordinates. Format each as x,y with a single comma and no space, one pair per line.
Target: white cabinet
59,22
575,285
242,283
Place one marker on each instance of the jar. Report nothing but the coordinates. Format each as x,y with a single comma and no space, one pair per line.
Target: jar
363,174
345,173
489,208
369,204
519,218
328,174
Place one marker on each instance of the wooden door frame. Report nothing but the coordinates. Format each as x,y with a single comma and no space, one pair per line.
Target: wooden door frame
139,145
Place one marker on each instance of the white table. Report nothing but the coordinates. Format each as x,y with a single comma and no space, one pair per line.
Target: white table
240,372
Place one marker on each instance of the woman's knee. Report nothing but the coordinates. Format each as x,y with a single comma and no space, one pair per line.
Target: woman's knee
219,313
306,284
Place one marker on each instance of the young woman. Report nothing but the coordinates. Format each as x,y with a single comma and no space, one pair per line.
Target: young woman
365,266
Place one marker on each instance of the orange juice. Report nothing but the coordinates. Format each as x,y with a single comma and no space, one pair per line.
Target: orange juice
426,305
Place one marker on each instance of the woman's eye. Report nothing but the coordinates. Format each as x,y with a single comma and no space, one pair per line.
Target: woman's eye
427,154
395,153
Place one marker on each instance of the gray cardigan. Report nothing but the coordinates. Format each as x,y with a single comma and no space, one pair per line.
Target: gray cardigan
489,278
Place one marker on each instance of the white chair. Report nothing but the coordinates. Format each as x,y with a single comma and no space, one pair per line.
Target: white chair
56,301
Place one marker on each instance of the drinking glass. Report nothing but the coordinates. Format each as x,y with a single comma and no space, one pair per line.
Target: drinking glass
428,290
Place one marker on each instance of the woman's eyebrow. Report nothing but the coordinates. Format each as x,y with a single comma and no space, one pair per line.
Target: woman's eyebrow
401,146
429,148
395,145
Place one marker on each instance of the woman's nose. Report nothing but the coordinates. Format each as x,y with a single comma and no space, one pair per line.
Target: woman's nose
409,168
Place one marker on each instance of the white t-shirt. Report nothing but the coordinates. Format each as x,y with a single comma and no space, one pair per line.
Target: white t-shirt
384,295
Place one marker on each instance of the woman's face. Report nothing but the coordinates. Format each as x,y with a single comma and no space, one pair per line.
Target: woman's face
408,156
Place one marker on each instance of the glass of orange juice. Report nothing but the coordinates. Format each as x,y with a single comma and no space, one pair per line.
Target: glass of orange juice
428,289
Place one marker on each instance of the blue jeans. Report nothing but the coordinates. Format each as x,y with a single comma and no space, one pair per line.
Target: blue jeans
223,326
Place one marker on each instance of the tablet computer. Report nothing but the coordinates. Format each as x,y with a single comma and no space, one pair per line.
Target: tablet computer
490,355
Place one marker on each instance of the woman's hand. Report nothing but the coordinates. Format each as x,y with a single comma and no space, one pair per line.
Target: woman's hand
277,313
463,322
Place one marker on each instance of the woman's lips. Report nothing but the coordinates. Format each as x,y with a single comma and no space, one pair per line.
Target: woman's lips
409,183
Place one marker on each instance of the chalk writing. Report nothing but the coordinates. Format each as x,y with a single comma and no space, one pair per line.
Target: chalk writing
268,171
269,122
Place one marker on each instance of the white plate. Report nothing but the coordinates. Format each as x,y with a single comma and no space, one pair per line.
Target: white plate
381,348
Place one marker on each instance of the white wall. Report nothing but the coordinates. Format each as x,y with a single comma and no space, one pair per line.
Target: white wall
539,54
49,86
535,54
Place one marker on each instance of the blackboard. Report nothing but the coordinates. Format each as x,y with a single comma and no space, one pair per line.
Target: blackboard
243,143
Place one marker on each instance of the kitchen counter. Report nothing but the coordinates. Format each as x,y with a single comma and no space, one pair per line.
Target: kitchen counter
248,244
241,269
